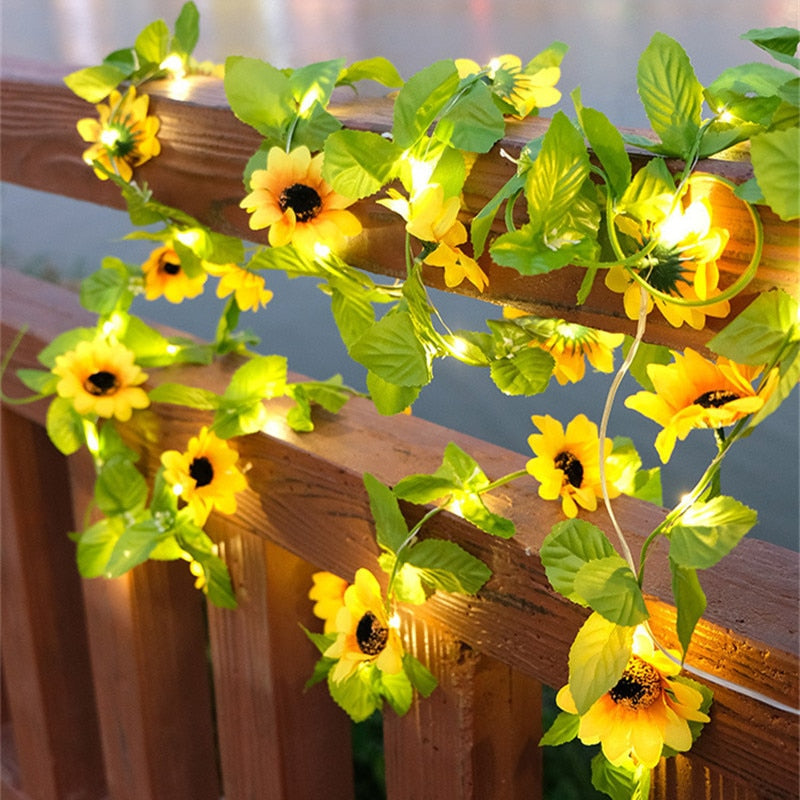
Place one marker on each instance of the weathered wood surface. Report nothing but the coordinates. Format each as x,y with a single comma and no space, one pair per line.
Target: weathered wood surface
306,495
205,148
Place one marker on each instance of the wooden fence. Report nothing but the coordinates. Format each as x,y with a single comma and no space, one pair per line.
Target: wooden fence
133,689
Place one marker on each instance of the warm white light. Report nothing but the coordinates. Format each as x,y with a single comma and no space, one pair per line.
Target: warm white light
177,489
110,136
113,324
458,346
680,223
174,65
394,621
188,238
421,173
321,250
172,349
309,98
90,434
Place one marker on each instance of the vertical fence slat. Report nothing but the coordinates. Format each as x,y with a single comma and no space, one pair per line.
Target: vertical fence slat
475,737
276,741
147,642
685,778
45,661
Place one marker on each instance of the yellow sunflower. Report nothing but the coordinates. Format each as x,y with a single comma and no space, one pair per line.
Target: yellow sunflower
645,710
524,91
123,137
164,276
430,218
570,342
683,264
693,392
327,593
101,378
567,463
205,476
291,199
365,635
247,287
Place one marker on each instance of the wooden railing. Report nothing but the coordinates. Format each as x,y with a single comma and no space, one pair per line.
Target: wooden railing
132,689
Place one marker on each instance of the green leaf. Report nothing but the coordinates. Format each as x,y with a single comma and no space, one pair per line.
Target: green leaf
356,694
358,163
391,529
447,566
609,587
94,84
312,84
670,93
352,311
389,398
377,69
607,143
422,679
526,372
690,601
95,546
259,95
646,354
650,194
38,380
482,222
708,531
107,289
64,426
120,488
474,123
780,43
153,42
133,547
564,729
63,343
569,545
218,587
397,690
474,510
391,349
597,659
407,586
189,396
620,782
421,100
187,29
330,394
259,378
776,163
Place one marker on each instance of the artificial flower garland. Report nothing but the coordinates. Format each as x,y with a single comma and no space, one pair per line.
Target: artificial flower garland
655,248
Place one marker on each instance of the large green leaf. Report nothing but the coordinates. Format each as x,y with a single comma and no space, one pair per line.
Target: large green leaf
671,94
152,44
106,289
187,29
690,601
780,43
398,691
620,782
378,69
391,529
94,84
709,531
389,398
474,123
564,729
64,426
527,372
120,488
95,545
189,396
447,566
358,163
259,95
776,164
133,547
609,586
259,378
597,659
358,695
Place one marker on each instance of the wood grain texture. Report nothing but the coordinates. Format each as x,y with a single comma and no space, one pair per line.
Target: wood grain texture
306,495
205,149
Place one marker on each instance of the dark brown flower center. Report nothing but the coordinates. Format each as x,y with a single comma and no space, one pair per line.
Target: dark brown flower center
571,467
371,635
639,687
171,268
201,471
101,383
303,200
715,398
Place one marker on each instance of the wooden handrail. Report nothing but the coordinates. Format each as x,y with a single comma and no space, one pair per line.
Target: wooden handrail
205,148
306,494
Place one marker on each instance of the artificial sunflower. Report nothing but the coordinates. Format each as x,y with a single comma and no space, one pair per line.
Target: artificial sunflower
327,593
291,199
246,286
164,276
693,392
567,463
432,219
205,476
682,264
645,710
524,91
365,635
123,136
101,378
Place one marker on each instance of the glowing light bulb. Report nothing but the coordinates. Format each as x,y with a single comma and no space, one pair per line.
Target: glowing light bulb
189,238
177,489
309,98
173,64
394,621
90,434
112,325
110,136
172,349
321,250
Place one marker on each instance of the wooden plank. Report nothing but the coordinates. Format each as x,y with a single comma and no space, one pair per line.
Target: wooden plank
276,740
151,676
45,659
475,737
303,486
40,149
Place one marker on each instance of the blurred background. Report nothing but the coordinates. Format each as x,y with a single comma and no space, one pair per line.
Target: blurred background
63,239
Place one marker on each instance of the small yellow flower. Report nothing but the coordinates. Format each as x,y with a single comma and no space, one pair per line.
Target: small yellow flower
291,199
164,276
693,392
364,633
205,476
123,137
101,378
683,264
247,287
567,463
432,219
328,596
645,710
